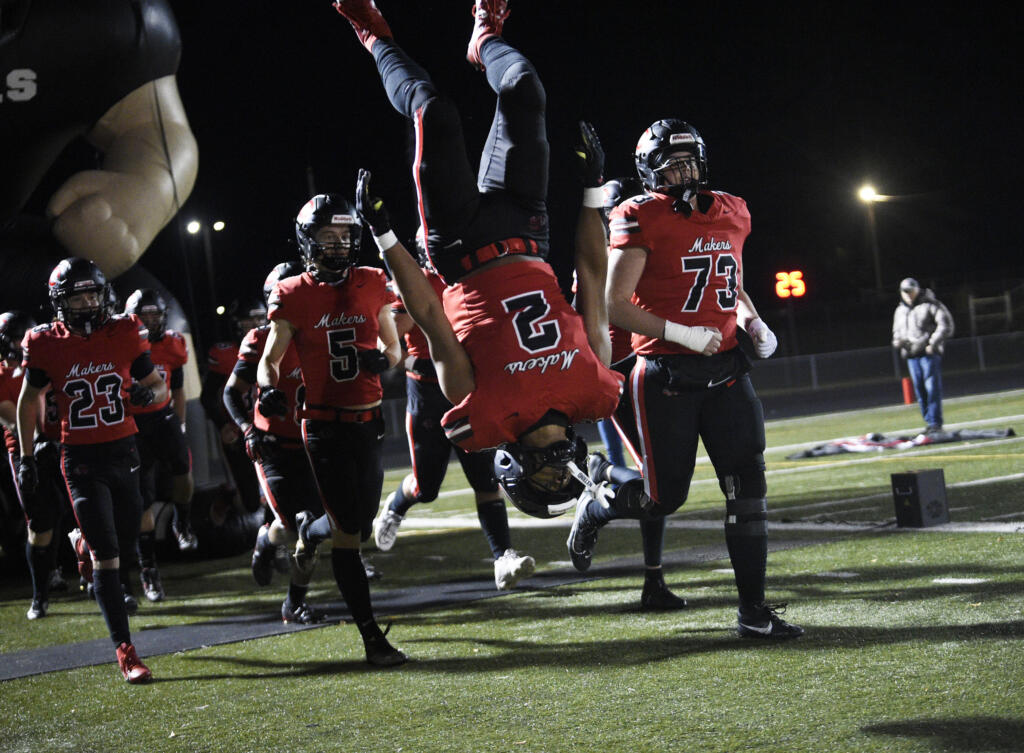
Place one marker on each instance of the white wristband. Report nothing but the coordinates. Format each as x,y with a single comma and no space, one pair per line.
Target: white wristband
694,338
386,241
593,198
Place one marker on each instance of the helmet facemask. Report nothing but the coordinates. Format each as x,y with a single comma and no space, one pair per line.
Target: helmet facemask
83,311
329,234
542,481
671,159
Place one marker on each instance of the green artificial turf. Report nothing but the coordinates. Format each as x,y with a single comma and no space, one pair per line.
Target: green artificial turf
914,638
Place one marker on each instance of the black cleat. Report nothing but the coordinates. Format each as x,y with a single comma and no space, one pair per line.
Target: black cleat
582,536
763,621
656,596
151,585
380,652
131,604
372,573
263,557
302,614
38,609
305,550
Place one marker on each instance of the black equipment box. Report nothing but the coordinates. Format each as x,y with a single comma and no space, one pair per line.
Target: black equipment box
920,498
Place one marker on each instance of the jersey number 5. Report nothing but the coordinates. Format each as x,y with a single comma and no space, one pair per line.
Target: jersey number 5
344,356
725,266
530,308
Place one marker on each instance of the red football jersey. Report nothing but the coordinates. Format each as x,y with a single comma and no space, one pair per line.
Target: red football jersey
694,264
221,358
333,322
530,355
168,353
10,389
290,383
90,375
415,340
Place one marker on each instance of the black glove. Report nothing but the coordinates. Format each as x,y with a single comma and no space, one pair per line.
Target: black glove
140,395
28,475
370,208
254,443
374,361
590,157
273,402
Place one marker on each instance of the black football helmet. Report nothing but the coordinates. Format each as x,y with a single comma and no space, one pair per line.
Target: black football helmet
327,261
655,149
13,326
247,313
282,271
515,466
616,191
148,302
70,278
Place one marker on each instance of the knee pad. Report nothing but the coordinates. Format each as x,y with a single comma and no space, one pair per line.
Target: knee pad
746,517
521,87
745,484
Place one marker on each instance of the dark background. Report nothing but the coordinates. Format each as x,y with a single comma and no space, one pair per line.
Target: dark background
799,106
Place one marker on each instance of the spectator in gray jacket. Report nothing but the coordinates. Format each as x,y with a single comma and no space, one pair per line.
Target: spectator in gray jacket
920,327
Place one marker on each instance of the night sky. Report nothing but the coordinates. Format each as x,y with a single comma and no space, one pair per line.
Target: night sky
798,105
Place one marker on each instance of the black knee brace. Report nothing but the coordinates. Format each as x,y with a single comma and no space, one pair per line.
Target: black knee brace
746,517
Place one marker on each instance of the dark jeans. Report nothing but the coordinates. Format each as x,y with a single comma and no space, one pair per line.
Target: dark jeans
926,373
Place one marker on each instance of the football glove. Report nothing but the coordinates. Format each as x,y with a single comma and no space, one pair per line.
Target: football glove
140,395
28,475
765,341
370,208
374,361
273,402
254,443
589,157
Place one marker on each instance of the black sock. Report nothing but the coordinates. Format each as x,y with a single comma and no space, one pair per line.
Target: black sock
39,568
652,533
355,589
107,585
400,504
181,513
746,538
319,530
125,576
147,549
296,594
494,521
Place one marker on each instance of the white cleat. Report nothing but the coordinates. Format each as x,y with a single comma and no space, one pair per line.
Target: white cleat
512,567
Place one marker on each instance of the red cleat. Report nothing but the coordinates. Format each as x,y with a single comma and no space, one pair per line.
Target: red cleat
367,21
131,665
489,17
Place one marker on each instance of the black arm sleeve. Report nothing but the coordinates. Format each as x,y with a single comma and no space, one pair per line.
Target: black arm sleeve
212,398
234,403
37,378
141,367
177,378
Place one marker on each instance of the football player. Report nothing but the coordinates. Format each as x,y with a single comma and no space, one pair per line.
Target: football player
44,509
246,314
430,450
336,314
511,355
161,437
274,444
96,363
676,282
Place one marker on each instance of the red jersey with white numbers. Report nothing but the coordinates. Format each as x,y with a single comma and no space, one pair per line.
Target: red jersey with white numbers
90,375
290,383
694,264
530,355
221,358
168,353
333,322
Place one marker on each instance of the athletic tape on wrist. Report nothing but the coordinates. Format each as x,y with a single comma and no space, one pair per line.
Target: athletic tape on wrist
386,241
694,338
593,197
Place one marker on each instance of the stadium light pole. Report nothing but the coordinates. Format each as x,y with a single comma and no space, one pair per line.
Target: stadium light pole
869,196
195,227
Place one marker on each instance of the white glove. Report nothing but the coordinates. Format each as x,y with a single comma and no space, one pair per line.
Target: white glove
704,340
765,341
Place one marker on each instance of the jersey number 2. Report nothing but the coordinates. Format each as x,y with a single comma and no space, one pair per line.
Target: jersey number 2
530,308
